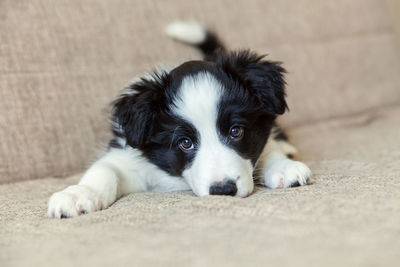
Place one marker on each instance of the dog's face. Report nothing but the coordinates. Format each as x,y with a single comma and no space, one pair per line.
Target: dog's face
206,122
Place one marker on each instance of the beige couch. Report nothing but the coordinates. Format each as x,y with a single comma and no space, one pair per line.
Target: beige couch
61,64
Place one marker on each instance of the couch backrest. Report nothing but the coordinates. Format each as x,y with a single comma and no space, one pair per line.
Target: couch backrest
62,62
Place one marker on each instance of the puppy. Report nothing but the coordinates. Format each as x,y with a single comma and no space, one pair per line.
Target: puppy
206,126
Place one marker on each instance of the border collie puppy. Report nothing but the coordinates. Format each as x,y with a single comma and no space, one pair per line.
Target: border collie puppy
207,126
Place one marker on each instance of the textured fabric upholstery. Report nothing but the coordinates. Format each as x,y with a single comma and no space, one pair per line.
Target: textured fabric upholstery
61,64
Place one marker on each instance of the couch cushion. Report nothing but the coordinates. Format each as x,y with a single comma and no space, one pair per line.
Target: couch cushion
62,63
348,217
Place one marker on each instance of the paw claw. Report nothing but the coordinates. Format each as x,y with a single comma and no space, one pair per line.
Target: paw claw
295,184
281,182
64,216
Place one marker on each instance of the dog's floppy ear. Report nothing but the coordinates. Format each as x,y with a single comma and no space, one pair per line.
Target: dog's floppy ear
134,111
265,78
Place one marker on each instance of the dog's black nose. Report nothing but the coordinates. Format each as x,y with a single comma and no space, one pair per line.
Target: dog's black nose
224,188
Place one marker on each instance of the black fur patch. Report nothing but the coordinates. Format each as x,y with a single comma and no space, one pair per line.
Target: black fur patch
264,78
279,134
114,144
162,149
210,45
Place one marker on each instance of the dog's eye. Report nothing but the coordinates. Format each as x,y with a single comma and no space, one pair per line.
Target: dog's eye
185,144
236,133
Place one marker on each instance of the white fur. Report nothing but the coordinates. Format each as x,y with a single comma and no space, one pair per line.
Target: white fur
117,173
277,170
283,172
214,162
188,32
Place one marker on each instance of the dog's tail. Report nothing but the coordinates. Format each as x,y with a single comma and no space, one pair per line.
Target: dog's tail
195,34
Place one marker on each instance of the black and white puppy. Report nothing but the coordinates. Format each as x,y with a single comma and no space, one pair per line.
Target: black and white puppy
207,126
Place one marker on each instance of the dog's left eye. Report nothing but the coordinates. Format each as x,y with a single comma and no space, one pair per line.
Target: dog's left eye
185,144
236,133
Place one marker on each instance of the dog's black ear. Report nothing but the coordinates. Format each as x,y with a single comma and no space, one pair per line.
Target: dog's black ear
134,111
265,78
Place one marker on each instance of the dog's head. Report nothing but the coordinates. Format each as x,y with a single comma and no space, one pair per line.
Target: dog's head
205,121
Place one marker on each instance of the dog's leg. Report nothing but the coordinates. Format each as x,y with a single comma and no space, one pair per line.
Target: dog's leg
117,173
276,168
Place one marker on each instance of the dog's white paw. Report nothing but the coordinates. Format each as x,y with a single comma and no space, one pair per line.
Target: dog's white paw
286,173
73,201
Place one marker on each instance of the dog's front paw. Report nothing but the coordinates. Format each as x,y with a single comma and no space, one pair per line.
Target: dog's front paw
73,201
286,173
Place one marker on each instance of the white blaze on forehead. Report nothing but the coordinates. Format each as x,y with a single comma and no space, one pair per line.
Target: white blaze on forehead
197,101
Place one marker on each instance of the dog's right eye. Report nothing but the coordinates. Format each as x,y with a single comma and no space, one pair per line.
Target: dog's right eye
185,144
236,133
